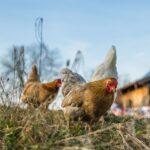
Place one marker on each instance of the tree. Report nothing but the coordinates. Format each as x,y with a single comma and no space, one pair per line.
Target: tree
50,60
15,65
20,59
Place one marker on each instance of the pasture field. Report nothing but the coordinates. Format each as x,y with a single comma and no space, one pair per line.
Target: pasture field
38,129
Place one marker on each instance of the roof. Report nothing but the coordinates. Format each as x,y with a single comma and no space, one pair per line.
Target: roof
147,74
135,85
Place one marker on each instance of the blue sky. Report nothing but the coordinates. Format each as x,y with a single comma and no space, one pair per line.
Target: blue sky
91,26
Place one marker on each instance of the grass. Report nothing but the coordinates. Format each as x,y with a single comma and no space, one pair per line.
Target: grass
31,129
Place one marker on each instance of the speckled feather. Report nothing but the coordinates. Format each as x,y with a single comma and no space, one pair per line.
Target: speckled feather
69,80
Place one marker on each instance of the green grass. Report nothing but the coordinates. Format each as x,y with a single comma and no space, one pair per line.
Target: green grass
47,130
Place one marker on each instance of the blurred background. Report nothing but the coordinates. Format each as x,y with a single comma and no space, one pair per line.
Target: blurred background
77,34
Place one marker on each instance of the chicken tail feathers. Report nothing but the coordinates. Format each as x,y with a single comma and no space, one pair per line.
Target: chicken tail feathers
108,67
33,76
111,57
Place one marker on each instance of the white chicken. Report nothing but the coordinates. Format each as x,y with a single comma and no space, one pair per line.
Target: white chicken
108,67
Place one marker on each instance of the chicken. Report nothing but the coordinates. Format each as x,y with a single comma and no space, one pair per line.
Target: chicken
69,80
36,93
107,68
89,101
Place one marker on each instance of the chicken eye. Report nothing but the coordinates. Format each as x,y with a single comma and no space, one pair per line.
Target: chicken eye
109,83
108,88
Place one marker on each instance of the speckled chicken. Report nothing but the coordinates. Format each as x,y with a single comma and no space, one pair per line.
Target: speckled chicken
89,101
36,93
69,80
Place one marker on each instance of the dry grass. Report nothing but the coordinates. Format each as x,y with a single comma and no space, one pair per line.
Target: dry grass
36,129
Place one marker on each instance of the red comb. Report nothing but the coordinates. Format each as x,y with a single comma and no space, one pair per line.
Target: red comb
58,81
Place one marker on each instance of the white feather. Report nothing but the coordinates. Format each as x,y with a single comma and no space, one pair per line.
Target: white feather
108,67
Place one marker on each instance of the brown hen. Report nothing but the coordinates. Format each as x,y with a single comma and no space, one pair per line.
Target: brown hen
36,93
90,100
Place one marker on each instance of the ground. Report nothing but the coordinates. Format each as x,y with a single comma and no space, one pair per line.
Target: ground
47,130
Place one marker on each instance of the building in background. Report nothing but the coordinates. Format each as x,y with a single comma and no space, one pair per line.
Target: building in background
136,94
